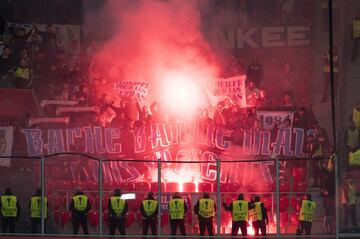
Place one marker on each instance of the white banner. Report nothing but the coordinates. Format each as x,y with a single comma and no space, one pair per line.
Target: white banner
57,102
232,87
6,142
268,118
60,120
60,110
132,89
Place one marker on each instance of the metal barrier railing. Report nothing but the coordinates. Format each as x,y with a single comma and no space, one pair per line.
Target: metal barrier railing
159,163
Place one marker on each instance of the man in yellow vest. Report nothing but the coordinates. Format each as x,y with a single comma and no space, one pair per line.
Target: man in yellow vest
352,137
348,200
177,210
356,35
240,215
118,209
35,210
259,216
306,215
10,211
149,211
356,115
80,206
205,208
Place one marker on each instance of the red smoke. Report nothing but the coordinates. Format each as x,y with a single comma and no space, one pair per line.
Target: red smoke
151,38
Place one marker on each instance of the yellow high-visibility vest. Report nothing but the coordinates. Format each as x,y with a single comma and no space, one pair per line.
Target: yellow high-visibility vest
257,213
356,28
352,137
22,73
149,206
8,206
117,204
35,207
356,117
80,202
177,208
206,207
307,210
354,158
240,210
319,151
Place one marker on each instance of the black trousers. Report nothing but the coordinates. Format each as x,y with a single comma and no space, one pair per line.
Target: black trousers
175,223
259,225
304,226
235,228
206,224
35,223
117,223
80,220
350,213
149,223
8,224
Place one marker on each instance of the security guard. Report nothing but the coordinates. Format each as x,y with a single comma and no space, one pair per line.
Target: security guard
259,216
356,35
149,212
118,209
306,215
348,199
10,211
205,208
35,210
177,211
79,206
240,215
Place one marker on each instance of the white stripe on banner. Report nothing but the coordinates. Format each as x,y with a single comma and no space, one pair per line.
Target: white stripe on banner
6,142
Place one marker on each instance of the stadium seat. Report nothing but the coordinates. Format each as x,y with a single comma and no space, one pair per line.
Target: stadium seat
127,187
269,187
130,218
224,187
104,202
300,186
154,187
134,204
164,219
93,218
189,187
93,186
284,186
106,217
283,218
299,173
64,217
294,218
109,186
50,186
172,187
204,187
284,203
58,201
80,185
295,202
57,216
56,172
142,187
267,202
234,187
63,185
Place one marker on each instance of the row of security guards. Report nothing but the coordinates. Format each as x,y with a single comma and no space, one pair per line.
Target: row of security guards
205,208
